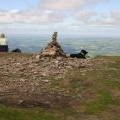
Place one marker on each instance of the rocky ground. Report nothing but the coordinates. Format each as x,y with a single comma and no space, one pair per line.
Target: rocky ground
25,79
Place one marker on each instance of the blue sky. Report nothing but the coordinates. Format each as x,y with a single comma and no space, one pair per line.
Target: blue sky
81,17
17,4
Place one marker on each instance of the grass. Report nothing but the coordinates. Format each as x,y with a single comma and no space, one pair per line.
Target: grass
6,55
9,113
100,104
103,86
56,113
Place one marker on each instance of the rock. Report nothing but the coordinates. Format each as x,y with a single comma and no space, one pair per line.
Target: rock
83,74
23,80
44,74
45,104
59,58
37,57
20,102
69,67
46,59
46,81
17,63
56,62
53,48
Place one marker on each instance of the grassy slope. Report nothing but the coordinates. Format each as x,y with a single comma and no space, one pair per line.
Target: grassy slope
96,93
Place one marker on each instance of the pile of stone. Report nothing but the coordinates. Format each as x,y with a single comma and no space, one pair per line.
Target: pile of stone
53,48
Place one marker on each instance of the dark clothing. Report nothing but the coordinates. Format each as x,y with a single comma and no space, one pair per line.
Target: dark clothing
4,48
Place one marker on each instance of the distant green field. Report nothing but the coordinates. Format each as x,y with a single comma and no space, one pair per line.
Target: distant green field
95,92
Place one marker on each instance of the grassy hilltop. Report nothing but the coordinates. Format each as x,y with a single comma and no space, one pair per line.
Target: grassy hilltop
85,93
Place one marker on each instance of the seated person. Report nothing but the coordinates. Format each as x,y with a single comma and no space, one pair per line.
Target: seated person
3,43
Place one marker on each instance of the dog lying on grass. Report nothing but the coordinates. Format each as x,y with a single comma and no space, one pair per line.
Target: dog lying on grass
82,54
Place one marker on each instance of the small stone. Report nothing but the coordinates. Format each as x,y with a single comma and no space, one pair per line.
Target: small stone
44,74
83,74
46,81
56,61
37,57
69,67
59,58
17,63
20,102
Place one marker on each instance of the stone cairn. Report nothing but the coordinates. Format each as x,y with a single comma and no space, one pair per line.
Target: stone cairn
53,48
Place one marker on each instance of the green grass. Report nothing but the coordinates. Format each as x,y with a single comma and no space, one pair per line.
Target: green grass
9,113
101,81
55,113
100,104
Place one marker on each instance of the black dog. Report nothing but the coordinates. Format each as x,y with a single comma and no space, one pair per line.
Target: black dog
16,50
82,54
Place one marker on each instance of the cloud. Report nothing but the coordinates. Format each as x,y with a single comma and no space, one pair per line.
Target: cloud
49,13
29,17
66,4
61,4
85,17
113,18
94,18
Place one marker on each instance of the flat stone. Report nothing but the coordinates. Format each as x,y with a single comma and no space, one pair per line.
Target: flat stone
46,81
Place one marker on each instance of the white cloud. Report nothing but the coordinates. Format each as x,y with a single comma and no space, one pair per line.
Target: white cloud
29,17
85,17
94,18
61,4
111,18
66,4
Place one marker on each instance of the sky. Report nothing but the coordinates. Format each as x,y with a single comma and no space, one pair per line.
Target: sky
69,17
